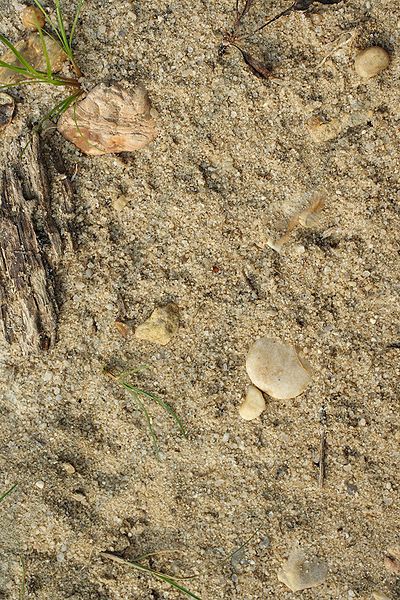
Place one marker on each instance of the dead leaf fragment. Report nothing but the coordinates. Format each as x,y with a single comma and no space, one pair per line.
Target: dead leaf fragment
7,106
110,119
256,66
392,560
32,50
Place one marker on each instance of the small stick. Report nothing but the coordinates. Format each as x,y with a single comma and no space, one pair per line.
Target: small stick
322,452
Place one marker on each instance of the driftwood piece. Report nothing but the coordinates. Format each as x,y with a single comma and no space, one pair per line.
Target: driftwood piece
33,237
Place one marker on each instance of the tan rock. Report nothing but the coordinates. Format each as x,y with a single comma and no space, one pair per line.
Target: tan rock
32,17
68,468
277,368
379,596
301,572
371,62
7,106
160,326
253,405
31,49
110,120
323,131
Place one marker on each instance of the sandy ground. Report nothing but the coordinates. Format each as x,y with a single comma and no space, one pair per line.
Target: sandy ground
233,163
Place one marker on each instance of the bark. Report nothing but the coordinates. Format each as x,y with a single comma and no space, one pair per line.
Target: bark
32,243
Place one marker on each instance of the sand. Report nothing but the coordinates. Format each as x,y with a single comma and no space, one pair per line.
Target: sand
233,163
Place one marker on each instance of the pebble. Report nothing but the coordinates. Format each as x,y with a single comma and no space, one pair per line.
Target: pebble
40,484
32,17
371,62
277,369
162,324
32,50
253,405
120,202
300,572
379,596
115,118
68,468
324,131
7,106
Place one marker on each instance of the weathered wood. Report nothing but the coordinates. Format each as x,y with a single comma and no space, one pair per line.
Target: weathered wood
32,244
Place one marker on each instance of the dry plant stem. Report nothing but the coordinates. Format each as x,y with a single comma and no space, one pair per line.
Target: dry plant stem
322,453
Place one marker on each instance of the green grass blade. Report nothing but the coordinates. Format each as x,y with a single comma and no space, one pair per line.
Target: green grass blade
50,22
18,55
44,48
160,576
8,492
22,589
133,392
75,21
61,30
168,408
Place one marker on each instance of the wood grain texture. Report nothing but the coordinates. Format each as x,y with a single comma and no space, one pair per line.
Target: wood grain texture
32,244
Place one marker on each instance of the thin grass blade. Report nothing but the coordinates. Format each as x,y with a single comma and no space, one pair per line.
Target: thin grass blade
134,393
44,48
8,492
75,21
160,576
61,29
18,55
168,408
49,21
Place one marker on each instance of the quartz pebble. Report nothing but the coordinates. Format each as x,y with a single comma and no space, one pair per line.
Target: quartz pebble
301,572
7,106
277,369
371,62
253,405
162,324
32,17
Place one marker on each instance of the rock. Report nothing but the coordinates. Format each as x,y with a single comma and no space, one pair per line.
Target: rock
31,49
277,369
253,405
32,18
110,119
160,326
371,62
392,560
379,596
120,202
7,106
300,572
323,131
68,468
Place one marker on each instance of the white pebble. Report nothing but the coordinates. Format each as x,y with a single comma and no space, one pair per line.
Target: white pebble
371,62
277,369
40,484
253,405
